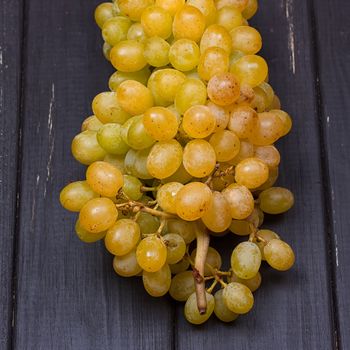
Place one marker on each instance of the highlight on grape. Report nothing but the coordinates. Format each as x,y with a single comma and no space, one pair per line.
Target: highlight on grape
182,148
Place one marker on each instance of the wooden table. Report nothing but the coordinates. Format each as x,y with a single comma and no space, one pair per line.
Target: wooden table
57,293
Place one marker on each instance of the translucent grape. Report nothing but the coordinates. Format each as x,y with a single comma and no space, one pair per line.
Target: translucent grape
182,286
268,154
148,223
223,89
136,32
91,123
207,7
187,230
166,195
279,255
273,176
184,54
139,167
156,22
115,29
134,8
213,61
193,200
250,9
181,175
126,265
268,91
221,115
238,298
106,50
110,139
226,145
286,120
229,17
171,6
118,77
246,39
179,267
115,160
157,283
251,172
198,121
238,4
156,51
103,12
176,247
132,187
191,310
241,227
137,136
199,158
222,312
243,120
213,259
267,236
276,200
252,283
87,236
216,36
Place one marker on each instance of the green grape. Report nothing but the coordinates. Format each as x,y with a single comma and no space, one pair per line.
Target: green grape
104,178
75,195
207,7
136,32
110,139
246,260
191,310
181,266
198,121
134,97
218,216
140,164
87,236
246,39
184,55
103,12
286,120
157,283
276,200
213,259
166,195
238,298
216,36
164,159
118,77
127,56
252,283
160,123
186,229
240,200
213,61
137,136
122,237
86,149
241,227
156,51
180,175
107,108
171,6
243,120
98,215
176,247
251,172
132,187
156,22
91,123
223,89
222,312
229,17
106,49
189,23
279,255
115,29
126,265
267,236
148,223
238,4
182,286
250,9
115,160
134,8
268,154
192,92
199,158
225,144
221,115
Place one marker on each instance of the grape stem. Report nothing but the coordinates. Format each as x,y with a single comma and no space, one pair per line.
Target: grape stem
198,270
210,289
149,189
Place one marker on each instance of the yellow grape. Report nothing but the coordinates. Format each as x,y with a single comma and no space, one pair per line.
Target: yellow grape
126,265
116,160
134,8
184,55
238,4
118,77
199,158
246,151
216,36
252,283
136,32
156,22
276,103
250,9
86,236
103,12
226,145
268,154
213,260
243,120
286,120
137,136
229,17
176,247
222,312
171,6
166,195
181,175
246,39
276,200
156,51
115,29
91,123
268,91
198,121
267,236
182,286
223,89
109,138
279,255
106,49
157,283
251,172
213,61
221,115
191,312
238,298
273,176
186,229
207,7
179,267
193,200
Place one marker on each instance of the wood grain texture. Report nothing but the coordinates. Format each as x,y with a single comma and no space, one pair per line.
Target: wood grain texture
292,308
68,296
10,81
332,51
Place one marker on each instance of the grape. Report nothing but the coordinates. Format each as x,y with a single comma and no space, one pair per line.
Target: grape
132,187
156,22
91,123
241,227
221,115
238,4
213,259
222,312
166,196
268,92
276,104
216,36
75,195
137,135
126,265
218,217
104,179
189,23
238,298
176,247
181,266
250,69
148,223
98,215
134,8
229,17
226,145
246,39
250,9
240,200
213,61
276,200
207,7
107,108
273,176
171,6
245,151
110,139
267,236
122,237
87,236
246,260
251,172
140,164
223,89
182,286
118,77
268,154
279,255
160,123
136,32
193,200
115,29
286,120
184,54
198,121
199,158
103,12
187,230
115,160
151,253
191,310
243,121
181,175
156,51
127,56
85,148
252,283
134,97
157,283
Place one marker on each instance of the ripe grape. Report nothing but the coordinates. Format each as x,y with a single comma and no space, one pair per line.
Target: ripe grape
171,6
176,247
118,77
221,115
136,32
246,150
229,17
222,312
213,259
238,298
182,286
181,175
126,265
156,51
91,123
133,9
267,236
216,36
181,266
213,61
207,7
115,29
250,9
157,283
184,55
226,145
252,283
132,187
148,223
191,310
243,120
279,255
238,4
87,236
109,138
246,39
115,160
251,172
186,229
156,22
276,200
137,136
103,12
268,154
285,118
166,195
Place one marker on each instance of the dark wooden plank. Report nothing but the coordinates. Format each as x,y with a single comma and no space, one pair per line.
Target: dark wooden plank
10,79
292,309
332,49
68,295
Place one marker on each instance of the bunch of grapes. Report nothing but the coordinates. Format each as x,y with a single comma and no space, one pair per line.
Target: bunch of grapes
181,149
